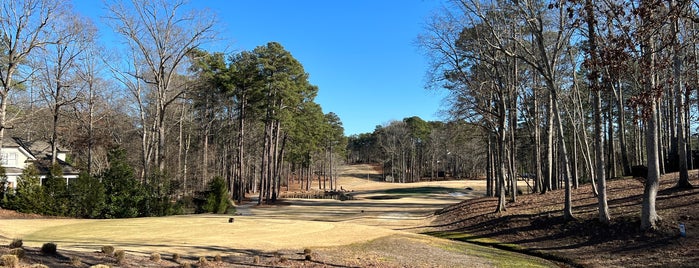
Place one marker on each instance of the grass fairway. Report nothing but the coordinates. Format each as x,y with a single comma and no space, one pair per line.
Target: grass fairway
192,235
378,228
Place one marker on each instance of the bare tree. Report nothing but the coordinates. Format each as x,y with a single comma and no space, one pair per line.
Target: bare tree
58,80
25,26
160,35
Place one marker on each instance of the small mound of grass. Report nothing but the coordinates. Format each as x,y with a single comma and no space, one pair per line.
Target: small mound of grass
19,252
203,261
109,250
16,243
49,248
176,257
76,261
120,256
155,257
10,261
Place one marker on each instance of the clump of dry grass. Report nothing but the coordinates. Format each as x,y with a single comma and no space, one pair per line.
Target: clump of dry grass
76,261
109,250
176,257
256,260
10,261
19,252
39,265
218,258
100,266
155,257
16,243
203,261
186,265
49,248
120,256
307,254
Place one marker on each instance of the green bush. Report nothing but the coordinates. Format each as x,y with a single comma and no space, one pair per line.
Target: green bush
29,196
10,261
87,199
56,195
217,197
49,248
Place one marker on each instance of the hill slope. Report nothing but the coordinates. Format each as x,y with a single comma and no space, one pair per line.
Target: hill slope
534,224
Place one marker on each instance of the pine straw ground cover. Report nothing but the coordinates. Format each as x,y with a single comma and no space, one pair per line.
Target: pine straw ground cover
534,224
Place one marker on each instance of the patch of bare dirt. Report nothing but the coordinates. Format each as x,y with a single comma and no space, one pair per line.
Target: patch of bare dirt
536,223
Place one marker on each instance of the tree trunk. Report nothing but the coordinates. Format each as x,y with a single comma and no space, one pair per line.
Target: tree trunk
649,216
683,181
603,208
568,206
502,157
549,146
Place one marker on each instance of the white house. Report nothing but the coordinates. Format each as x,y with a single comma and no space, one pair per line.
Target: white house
17,154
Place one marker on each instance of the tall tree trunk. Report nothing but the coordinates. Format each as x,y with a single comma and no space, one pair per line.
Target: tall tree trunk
611,162
538,185
649,216
502,157
603,208
568,206
489,177
621,122
512,98
241,149
549,145
680,104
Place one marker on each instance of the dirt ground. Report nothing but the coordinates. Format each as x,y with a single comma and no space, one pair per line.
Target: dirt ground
378,228
534,224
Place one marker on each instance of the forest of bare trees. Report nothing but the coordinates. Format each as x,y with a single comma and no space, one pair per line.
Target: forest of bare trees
588,89
156,108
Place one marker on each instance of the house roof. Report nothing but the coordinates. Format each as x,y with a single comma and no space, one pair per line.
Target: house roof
39,152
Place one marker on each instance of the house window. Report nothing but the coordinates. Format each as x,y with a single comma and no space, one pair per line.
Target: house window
9,159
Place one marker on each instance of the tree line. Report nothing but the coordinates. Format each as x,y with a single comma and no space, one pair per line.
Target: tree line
572,91
181,116
413,150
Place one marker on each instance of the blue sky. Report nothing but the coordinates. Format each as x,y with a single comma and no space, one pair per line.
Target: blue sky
360,53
